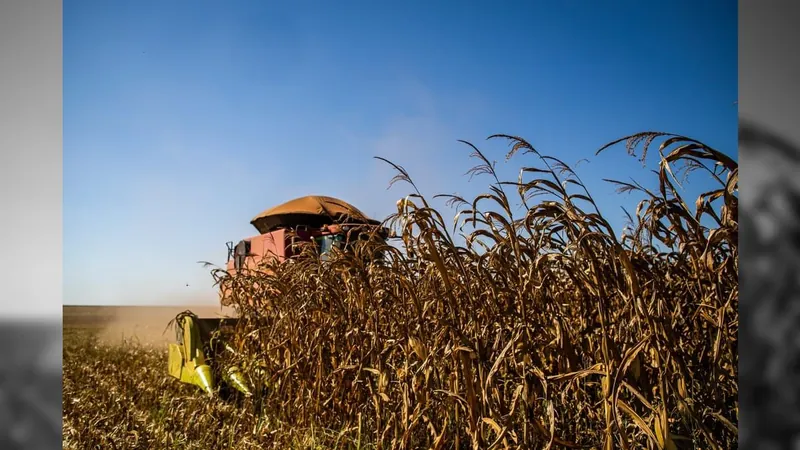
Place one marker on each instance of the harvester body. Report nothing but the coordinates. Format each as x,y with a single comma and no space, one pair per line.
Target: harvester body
326,221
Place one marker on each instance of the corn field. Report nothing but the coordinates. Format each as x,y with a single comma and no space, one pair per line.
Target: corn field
536,327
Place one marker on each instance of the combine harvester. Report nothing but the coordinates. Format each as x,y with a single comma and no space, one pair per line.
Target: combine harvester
327,221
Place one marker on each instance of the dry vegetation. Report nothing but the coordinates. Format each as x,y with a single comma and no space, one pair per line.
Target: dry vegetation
543,329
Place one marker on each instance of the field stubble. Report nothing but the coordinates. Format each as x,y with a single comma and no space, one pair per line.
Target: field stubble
542,330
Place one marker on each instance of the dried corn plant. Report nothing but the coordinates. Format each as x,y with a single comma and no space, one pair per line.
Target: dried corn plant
532,327
542,330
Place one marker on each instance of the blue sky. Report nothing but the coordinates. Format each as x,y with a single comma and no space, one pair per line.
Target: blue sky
182,120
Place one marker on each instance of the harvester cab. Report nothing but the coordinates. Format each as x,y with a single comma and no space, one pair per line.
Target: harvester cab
326,221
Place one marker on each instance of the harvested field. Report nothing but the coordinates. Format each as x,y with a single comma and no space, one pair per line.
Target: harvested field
143,324
115,363
546,328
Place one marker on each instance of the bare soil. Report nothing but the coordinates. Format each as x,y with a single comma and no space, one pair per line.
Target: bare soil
146,324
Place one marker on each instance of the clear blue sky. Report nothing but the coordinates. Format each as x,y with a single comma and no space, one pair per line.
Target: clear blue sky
182,120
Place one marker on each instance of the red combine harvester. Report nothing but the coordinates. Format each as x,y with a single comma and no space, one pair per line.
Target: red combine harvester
327,221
